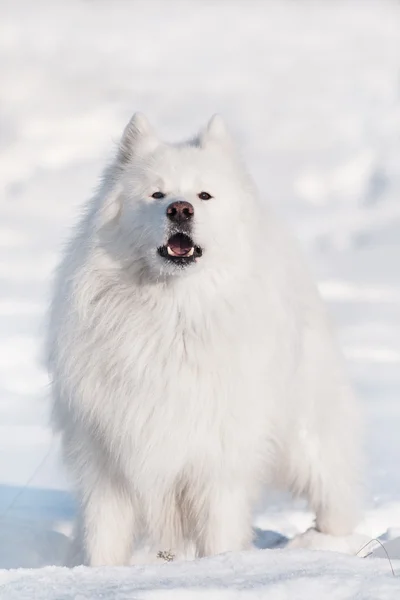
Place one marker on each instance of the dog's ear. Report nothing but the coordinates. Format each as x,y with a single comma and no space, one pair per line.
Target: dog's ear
216,132
138,139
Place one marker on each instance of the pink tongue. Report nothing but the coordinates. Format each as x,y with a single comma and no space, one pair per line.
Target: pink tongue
179,244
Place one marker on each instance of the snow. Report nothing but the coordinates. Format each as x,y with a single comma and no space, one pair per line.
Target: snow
276,575
312,92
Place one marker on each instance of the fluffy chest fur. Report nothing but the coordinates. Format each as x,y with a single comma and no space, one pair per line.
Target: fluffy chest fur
179,372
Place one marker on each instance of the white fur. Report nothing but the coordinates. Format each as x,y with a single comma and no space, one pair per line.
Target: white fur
181,393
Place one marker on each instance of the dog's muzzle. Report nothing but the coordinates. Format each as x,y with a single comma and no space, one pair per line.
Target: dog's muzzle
180,249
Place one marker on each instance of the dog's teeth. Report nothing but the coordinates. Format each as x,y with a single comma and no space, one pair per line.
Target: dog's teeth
190,253
170,252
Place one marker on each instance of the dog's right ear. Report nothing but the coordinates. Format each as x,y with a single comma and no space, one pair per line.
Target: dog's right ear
216,132
138,139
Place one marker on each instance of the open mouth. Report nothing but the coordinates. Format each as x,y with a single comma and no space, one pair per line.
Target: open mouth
180,249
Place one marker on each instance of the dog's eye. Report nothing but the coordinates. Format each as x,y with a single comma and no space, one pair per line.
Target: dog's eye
204,196
158,195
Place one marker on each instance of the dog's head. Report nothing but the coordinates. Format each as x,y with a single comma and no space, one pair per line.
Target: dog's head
178,207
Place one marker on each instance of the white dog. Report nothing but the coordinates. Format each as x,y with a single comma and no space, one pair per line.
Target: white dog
191,359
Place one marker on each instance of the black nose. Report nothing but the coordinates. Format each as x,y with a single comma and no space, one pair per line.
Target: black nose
180,211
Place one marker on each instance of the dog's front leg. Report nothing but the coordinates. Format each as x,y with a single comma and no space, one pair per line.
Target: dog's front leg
108,522
224,522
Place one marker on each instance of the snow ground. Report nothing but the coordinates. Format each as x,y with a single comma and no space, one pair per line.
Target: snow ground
312,90
274,575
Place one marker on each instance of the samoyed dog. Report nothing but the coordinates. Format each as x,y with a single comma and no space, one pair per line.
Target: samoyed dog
192,362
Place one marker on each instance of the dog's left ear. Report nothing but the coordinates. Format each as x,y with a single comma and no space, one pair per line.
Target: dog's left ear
138,139
216,132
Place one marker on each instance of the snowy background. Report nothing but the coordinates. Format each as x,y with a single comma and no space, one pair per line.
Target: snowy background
312,90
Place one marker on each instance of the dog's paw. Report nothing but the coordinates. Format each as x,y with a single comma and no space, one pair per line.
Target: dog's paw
315,540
